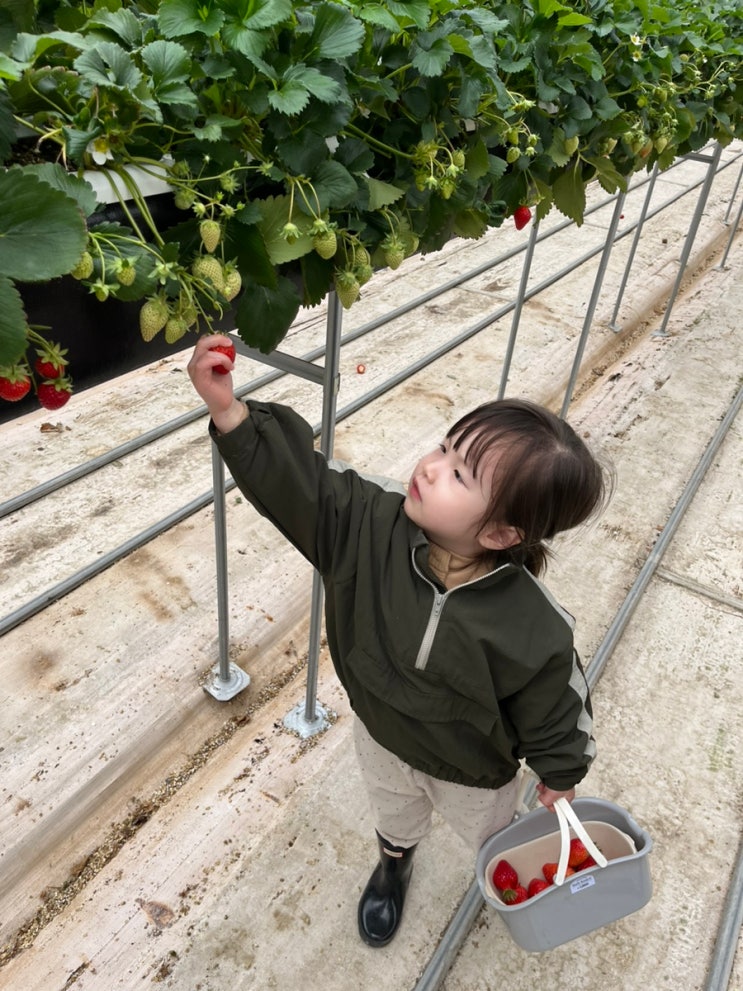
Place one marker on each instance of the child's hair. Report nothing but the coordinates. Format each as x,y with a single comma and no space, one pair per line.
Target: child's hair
546,480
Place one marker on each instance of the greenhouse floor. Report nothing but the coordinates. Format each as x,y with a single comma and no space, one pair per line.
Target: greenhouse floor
153,835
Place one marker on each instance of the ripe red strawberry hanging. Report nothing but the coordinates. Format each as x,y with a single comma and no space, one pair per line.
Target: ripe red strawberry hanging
521,216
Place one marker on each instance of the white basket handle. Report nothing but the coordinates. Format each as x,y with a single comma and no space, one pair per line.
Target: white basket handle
567,817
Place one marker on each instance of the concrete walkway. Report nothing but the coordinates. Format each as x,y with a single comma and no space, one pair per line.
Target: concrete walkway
154,836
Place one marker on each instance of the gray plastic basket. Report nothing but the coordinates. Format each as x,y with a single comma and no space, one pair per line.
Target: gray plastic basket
587,900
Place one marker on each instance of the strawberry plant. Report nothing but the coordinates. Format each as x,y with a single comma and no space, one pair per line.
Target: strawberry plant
306,144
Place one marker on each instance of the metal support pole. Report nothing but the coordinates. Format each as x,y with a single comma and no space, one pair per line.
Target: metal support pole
733,195
635,241
312,718
596,292
228,679
525,270
733,232
693,227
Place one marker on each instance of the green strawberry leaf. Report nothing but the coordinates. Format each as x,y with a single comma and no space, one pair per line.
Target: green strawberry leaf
569,194
381,193
336,34
181,17
432,61
12,323
42,231
264,315
108,66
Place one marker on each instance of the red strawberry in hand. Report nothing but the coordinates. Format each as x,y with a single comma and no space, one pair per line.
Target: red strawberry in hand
515,895
229,350
521,216
504,876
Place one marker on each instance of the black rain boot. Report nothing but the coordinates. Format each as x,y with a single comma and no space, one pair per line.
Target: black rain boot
380,907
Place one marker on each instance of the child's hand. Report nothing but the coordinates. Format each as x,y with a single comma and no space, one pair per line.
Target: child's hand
215,388
548,797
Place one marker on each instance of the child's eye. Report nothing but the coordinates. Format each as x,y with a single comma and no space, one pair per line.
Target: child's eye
442,448
458,475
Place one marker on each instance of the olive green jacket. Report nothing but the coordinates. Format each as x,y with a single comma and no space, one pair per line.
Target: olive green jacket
460,684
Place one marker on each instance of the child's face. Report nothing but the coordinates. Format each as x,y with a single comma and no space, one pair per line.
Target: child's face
447,501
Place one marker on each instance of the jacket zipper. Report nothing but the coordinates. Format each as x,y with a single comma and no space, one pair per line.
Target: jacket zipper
439,600
424,651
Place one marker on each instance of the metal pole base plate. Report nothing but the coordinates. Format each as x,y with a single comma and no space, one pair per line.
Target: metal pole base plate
296,722
225,689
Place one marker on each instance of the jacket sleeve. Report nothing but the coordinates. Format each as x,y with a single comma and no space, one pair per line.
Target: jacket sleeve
553,721
272,458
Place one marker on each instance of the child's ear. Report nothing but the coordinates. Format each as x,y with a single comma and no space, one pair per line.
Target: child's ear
500,537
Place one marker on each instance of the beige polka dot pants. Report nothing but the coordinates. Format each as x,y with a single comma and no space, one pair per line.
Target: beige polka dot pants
403,799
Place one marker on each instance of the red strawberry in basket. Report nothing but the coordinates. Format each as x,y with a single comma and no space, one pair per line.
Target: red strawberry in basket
536,885
504,876
578,853
549,870
515,895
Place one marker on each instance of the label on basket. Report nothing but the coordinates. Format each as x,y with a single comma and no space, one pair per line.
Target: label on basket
581,883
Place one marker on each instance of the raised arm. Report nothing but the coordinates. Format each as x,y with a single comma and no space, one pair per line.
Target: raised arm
215,387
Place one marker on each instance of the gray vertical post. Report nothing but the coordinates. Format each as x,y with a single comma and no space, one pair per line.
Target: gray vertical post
597,284
733,195
312,718
733,230
635,241
525,270
713,160
227,679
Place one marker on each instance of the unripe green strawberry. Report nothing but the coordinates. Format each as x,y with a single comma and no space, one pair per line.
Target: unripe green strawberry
446,188
325,243
571,144
152,317
229,183
363,273
175,329
84,268
394,251
410,242
458,159
233,283
660,143
360,255
211,234
347,288
207,268
184,199
512,136
513,155
126,274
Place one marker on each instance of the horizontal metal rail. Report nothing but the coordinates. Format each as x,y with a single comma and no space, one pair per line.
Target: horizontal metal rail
58,591
115,454
451,942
